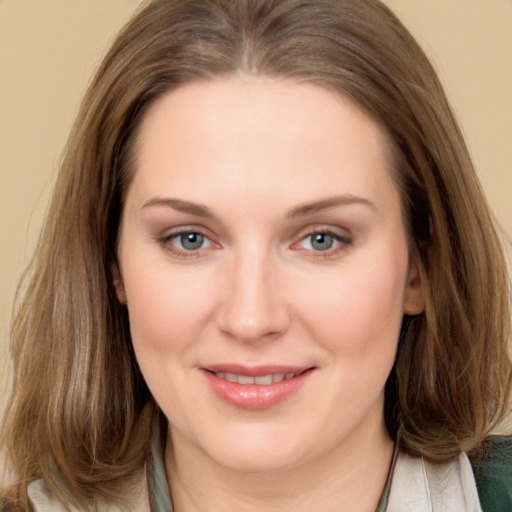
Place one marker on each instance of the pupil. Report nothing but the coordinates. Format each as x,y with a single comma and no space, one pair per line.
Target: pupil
322,242
192,241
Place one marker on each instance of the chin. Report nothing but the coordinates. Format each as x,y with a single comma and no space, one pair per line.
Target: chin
258,453
258,462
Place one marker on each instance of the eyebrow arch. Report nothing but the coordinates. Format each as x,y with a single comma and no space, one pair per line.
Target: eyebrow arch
331,202
179,205
307,209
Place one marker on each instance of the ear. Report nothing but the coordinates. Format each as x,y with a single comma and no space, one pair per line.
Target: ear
414,301
118,283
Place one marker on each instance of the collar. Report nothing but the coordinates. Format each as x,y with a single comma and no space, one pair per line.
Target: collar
422,486
414,484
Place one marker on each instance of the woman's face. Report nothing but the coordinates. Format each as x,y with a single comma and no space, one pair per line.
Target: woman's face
265,268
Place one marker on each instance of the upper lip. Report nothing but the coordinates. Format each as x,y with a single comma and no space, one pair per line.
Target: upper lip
255,371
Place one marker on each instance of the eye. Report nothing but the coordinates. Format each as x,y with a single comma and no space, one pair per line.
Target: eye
186,242
321,241
324,241
189,241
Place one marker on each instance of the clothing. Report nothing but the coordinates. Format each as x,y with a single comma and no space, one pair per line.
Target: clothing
414,485
493,475
420,486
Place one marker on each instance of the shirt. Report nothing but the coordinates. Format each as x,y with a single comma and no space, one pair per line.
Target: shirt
480,485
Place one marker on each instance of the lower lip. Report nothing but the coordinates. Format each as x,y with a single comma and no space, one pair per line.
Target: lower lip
255,396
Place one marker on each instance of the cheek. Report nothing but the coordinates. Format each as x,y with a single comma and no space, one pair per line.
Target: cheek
167,311
359,309
165,308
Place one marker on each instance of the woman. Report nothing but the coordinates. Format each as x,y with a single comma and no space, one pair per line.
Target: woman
268,279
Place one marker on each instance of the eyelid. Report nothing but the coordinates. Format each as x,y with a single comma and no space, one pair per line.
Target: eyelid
342,235
168,235
336,231
169,232
344,240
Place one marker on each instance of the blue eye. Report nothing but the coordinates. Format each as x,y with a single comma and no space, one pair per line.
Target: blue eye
324,241
191,241
188,241
321,241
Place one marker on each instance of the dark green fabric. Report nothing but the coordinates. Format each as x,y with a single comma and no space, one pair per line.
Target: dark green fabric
493,474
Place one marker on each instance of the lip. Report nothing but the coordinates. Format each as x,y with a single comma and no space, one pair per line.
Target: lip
255,371
256,396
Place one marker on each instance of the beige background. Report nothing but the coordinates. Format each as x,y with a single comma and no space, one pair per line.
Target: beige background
49,49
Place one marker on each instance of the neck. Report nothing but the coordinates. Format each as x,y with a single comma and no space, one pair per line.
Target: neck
351,476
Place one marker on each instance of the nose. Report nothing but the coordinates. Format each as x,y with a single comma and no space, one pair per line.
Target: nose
254,306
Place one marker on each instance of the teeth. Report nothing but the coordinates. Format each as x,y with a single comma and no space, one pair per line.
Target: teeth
262,380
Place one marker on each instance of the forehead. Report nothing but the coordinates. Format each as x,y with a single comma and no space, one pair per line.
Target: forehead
258,135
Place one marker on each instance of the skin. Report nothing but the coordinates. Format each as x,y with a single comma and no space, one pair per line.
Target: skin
258,291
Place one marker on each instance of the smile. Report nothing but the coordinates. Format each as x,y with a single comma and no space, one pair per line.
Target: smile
258,387
262,380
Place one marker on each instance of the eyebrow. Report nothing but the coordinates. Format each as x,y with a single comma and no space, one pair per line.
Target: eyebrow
331,202
300,211
180,205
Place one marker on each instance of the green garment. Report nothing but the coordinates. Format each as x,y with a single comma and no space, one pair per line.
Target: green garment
493,475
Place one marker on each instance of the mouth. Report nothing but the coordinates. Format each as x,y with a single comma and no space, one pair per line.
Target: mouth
256,387
260,380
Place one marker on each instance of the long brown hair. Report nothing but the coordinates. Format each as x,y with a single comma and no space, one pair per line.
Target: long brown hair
79,413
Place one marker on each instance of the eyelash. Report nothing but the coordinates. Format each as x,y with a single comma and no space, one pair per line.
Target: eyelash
343,242
165,242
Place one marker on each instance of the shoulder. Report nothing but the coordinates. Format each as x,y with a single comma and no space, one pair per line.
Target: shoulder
492,468
43,499
6,506
40,499
9,503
